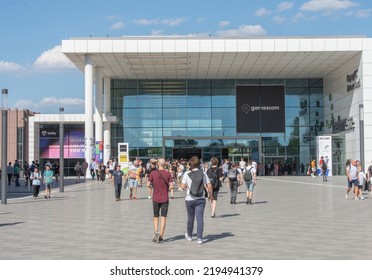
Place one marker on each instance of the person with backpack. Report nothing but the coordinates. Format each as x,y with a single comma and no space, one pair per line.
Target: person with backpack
234,179
250,180
215,176
196,182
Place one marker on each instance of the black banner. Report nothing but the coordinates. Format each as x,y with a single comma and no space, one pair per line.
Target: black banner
260,109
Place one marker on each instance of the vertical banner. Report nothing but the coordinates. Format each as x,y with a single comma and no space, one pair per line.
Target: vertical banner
260,109
123,156
324,152
99,151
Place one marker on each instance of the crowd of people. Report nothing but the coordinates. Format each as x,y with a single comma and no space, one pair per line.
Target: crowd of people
201,181
358,179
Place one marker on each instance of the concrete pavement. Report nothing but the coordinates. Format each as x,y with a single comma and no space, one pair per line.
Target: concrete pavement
292,218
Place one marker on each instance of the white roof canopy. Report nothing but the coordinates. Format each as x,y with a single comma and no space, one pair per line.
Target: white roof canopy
211,58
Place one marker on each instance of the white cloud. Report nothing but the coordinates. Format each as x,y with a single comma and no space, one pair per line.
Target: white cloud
117,25
203,34
157,21
262,12
50,104
6,66
146,21
173,21
298,17
224,23
279,19
53,59
327,5
285,6
157,32
243,30
363,13
26,104
200,20
62,101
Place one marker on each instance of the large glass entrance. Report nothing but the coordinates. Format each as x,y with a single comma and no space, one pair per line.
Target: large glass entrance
205,148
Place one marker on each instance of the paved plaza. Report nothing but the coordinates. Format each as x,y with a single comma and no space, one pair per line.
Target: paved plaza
292,218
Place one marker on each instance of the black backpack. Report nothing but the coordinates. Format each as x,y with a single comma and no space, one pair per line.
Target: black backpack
197,188
324,166
212,174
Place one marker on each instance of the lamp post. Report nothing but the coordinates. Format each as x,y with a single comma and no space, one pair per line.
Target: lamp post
4,148
61,151
361,134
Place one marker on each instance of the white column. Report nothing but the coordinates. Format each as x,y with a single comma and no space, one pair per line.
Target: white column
107,125
98,105
89,140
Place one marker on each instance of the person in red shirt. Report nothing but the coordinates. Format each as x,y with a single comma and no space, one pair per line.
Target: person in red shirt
161,182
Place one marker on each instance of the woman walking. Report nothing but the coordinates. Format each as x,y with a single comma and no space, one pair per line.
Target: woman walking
215,176
36,181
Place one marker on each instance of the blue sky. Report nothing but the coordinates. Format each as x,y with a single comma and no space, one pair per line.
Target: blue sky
41,79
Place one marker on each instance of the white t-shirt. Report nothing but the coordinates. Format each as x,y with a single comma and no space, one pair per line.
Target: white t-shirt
253,170
186,180
242,164
361,178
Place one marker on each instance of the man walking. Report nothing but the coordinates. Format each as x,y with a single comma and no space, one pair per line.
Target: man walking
160,182
10,171
117,178
195,181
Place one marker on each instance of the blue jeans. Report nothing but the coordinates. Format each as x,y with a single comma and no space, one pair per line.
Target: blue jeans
117,189
233,190
195,208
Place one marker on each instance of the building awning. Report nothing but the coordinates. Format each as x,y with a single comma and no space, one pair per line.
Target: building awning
214,58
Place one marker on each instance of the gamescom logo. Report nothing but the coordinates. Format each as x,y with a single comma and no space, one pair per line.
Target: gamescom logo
246,108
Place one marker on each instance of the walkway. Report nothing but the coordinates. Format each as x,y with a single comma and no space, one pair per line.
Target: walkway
292,218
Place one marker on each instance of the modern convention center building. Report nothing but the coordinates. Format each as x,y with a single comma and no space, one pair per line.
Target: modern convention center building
269,99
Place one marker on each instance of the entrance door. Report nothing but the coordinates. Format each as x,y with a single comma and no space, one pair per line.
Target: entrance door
186,153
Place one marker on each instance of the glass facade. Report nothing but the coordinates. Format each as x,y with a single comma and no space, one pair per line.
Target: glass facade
158,117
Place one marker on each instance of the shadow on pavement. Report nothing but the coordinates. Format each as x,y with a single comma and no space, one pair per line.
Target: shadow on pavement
11,224
228,215
213,237
42,200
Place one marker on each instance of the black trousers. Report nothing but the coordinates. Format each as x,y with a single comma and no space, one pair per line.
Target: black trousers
36,190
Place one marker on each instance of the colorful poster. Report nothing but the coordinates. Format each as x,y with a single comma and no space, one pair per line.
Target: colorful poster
99,151
324,152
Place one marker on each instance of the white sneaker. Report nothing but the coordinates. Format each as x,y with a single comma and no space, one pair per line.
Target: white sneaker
356,198
188,238
362,197
149,197
346,196
201,241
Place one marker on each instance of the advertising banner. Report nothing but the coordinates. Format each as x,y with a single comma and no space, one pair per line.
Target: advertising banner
324,152
260,109
99,151
123,156
73,143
